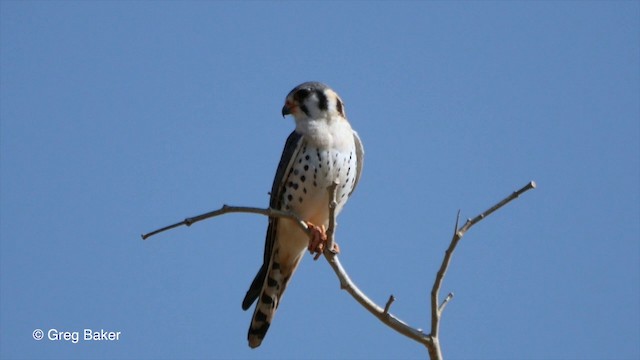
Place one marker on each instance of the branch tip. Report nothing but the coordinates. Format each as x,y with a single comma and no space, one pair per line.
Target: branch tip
455,228
388,305
529,186
445,302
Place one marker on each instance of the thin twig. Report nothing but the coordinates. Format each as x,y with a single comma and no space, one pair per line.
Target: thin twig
505,201
348,285
377,311
226,209
445,302
431,340
389,302
332,216
436,311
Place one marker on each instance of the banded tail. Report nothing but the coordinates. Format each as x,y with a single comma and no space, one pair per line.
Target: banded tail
273,284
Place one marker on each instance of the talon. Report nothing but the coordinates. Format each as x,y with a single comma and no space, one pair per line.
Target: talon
317,240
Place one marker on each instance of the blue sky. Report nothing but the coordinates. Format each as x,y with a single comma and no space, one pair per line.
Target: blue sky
118,117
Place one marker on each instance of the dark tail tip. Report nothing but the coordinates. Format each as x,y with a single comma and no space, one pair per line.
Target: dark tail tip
256,336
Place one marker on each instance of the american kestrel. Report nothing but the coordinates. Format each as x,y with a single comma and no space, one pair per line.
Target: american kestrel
322,149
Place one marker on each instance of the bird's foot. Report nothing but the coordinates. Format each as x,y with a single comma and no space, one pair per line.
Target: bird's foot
318,241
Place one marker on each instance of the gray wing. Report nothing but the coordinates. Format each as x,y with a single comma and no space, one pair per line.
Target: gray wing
359,158
291,147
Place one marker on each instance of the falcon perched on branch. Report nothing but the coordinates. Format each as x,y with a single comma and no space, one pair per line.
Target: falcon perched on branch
322,149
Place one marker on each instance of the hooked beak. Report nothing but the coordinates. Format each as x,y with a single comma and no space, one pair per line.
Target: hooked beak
286,110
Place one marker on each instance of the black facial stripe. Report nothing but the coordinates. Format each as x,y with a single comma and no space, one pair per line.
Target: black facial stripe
322,100
339,107
303,91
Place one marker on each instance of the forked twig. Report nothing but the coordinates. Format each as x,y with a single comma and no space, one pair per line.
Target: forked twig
430,340
436,311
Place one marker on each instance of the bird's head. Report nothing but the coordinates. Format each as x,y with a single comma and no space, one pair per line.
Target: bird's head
313,100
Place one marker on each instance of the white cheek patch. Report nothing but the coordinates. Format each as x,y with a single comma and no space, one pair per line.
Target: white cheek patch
335,104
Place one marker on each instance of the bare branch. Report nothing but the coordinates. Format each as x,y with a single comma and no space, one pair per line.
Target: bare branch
226,209
436,311
505,201
332,216
431,340
377,311
348,285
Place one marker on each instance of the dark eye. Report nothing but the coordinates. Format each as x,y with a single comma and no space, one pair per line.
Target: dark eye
301,94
